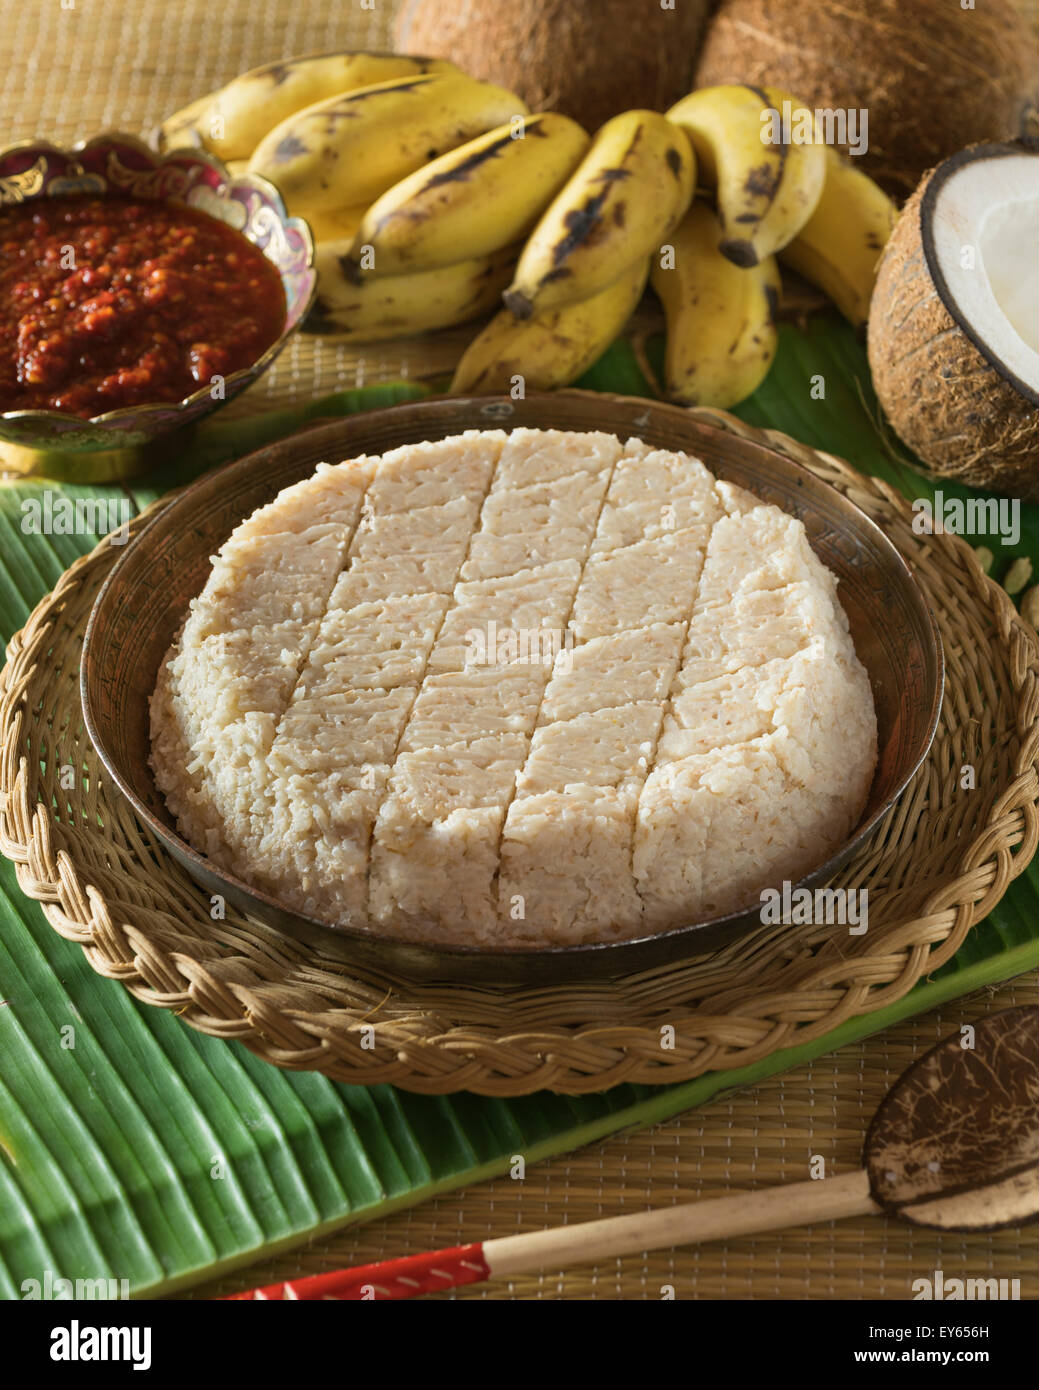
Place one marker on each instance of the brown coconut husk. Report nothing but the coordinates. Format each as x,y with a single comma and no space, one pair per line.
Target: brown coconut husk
588,59
942,395
934,77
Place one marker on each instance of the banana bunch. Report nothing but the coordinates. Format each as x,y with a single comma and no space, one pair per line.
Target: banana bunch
794,201
584,268
434,199
439,247
232,121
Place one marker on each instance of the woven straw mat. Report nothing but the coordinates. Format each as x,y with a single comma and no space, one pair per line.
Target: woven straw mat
108,65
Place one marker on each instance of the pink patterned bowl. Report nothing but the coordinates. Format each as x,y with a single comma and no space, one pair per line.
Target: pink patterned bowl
123,442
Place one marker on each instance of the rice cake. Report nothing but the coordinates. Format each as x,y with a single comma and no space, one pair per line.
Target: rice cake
534,688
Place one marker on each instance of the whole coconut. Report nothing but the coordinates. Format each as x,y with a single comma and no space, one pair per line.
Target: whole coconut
589,59
953,401
933,76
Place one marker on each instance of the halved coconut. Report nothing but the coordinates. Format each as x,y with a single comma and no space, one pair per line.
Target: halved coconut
954,322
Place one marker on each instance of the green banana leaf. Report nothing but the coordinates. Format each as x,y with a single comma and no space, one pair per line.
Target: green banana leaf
132,1147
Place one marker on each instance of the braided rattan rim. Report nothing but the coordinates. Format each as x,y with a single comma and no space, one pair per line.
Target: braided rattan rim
937,864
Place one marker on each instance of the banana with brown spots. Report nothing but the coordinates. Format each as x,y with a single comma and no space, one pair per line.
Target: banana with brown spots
767,175
626,195
721,333
474,200
553,346
232,121
349,150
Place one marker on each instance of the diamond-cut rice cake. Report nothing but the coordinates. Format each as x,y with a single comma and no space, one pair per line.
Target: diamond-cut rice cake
712,830
763,595
649,582
410,552
316,847
653,493
358,724
381,644
566,874
434,859
539,456
534,525
430,475
619,669
486,609
603,749
481,701
317,740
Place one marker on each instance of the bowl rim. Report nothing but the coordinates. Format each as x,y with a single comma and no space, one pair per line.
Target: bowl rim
197,156
427,957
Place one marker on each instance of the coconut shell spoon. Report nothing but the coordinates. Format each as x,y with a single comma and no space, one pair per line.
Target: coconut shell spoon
954,1145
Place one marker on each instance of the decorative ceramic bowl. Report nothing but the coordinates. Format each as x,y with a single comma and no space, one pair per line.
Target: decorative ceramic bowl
145,598
122,442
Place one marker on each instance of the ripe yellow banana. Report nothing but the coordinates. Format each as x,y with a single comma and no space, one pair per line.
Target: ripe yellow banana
840,246
400,306
627,193
183,129
721,335
473,200
232,121
552,347
352,148
766,190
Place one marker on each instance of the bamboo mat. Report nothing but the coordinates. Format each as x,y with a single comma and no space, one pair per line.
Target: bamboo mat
67,73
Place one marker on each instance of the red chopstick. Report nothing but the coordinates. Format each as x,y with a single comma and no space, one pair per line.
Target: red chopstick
587,1242
403,1278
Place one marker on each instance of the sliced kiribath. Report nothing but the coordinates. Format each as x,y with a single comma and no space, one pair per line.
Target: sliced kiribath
760,550
330,496
324,821
534,525
434,857
652,581
430,475
732,708
714,829
372,645
540,456
620,669
566,867
409,552
463,706
349,728
317,739
652,493
736,500
602,749
525,604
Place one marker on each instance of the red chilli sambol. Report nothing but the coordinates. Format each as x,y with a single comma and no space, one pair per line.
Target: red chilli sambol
107,302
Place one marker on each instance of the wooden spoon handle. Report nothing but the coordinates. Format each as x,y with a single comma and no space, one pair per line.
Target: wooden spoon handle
745,1213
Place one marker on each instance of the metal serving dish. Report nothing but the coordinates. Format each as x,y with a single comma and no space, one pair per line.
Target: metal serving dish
146,596
121,443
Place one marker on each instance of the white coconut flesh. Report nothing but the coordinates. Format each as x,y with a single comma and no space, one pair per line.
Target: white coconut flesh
981,238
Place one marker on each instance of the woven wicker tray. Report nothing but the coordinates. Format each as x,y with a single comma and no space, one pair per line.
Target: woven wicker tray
938,863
